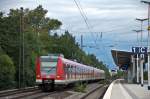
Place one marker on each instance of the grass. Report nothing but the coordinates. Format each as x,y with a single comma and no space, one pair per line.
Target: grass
80,87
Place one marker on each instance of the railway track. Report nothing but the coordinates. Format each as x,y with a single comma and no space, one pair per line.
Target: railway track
32,93
49,95
36,95
26,94
58,93
96,93
16,91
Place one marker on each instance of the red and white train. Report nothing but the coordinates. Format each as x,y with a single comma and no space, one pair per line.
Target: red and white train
55,69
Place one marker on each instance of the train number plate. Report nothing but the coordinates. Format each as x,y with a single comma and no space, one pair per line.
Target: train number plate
47,81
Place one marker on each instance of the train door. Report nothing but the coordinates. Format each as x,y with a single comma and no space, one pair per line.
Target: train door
71,75
82,73
75,74
68,71
65,71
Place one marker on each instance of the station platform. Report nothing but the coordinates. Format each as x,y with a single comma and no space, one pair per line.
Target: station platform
118,89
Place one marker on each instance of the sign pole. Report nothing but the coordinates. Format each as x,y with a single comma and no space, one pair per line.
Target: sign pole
141,64
148,48
140,53
137,64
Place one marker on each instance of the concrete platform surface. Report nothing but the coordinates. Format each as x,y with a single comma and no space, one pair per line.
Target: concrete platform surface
121,90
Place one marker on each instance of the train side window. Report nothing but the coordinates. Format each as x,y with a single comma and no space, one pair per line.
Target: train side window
71,69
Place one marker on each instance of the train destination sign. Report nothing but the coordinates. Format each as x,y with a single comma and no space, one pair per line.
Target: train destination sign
139,50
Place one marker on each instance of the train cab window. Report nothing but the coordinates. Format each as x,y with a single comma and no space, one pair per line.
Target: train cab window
48,65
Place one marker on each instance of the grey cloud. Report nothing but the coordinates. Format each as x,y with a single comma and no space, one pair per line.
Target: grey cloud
116,18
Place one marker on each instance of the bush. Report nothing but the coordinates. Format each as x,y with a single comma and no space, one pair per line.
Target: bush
145,75
105,82
79,87
7,72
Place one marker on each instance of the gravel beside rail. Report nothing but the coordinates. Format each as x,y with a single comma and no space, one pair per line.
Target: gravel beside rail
79,95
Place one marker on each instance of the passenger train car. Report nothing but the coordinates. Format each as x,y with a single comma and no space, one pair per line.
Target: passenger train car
56,70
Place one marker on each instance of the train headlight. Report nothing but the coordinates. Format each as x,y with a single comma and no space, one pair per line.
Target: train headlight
57,76
38,76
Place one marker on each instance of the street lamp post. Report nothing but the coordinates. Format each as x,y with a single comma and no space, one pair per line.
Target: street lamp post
147,2
137,31
141,59
137,58
141,20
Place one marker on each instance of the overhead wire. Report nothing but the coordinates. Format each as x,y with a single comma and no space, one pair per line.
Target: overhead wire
78,4
83,14
89,26
85,19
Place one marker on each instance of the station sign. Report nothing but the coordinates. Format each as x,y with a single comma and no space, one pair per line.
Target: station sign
139,50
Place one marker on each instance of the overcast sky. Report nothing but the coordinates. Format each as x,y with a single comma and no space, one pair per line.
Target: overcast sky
115,18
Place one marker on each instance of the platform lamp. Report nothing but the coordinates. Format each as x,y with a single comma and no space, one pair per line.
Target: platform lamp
147,2
141,66
141,20
137,58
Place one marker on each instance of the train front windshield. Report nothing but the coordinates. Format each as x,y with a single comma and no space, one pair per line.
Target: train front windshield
48,65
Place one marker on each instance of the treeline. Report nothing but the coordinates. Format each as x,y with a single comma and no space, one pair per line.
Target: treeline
24,35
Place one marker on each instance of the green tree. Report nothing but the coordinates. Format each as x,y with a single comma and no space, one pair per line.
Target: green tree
54,24
7,72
